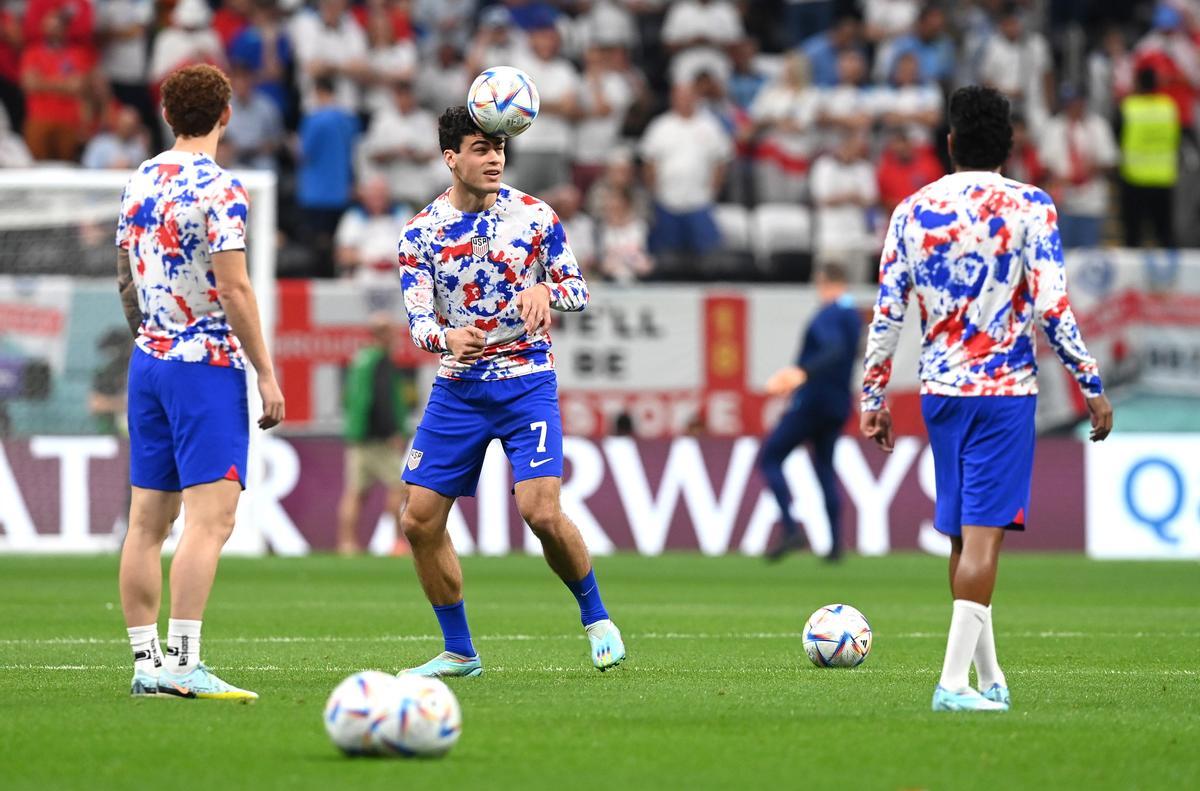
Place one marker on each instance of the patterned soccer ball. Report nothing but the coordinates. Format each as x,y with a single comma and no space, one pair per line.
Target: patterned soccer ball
421,718
353,706
837,635
503,101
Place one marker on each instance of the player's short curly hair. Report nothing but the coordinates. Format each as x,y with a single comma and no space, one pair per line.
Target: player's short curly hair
981,121
194,98
454,124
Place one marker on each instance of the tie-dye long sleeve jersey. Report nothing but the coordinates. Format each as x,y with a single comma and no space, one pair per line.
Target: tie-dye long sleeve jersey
983,255
461,269
178,209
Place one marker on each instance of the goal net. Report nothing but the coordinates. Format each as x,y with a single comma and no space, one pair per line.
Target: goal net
64,350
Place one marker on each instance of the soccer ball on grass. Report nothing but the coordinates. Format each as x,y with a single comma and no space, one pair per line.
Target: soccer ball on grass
837,635
373,713
353,705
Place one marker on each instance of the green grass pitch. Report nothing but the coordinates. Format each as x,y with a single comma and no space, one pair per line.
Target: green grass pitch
1103,660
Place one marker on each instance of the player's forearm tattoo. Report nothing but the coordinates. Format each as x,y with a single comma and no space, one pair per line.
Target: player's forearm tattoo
128,292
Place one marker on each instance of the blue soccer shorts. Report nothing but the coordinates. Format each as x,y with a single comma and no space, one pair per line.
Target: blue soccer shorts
189,423
982,459
462,418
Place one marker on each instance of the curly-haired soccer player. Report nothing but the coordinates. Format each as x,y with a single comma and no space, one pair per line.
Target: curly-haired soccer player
983,255
181,270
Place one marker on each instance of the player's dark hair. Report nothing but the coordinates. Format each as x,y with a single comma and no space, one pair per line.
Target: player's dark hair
982,128
833,273
455,124
193,99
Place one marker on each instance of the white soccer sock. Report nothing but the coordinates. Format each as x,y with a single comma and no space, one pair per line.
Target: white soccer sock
147,656
987,667
965,625
183,646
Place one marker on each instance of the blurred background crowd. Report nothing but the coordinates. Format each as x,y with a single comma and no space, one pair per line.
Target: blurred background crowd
686,139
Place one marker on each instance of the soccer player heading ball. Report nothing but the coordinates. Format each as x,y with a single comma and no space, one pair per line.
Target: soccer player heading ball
984,256
181,270
482,267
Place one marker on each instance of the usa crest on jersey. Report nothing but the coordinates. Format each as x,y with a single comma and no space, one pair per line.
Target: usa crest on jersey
479,246
414,459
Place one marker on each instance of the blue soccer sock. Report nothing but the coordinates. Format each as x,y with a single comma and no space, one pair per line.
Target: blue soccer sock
587,593
453,620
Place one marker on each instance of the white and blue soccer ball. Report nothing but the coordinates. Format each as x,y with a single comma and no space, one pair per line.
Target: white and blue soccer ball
503,101
837,635
421,718
352,708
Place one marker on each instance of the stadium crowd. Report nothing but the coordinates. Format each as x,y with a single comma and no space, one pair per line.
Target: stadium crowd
677,139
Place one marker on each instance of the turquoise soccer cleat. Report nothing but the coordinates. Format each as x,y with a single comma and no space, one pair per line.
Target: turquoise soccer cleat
144,685
967,700
202,683
608,650
998,694
448,665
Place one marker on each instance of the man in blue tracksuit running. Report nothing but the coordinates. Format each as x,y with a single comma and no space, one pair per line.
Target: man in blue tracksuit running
820,386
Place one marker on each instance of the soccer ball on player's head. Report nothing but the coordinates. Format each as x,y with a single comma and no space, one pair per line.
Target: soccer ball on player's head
837,635
421,718
353,706
503,101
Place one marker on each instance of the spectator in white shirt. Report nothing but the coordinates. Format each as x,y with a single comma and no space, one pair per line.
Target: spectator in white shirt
1080,152
329,42
851,105
886,19
567,202
845,191
365,240
388,59
444,75
624,256
189,40
123,147
620,175
603,102
686,153
122,26
1110,73
784,114
696,33
445,20
497,42
541,156
910,104
1017,63
255,129
602,23
401,145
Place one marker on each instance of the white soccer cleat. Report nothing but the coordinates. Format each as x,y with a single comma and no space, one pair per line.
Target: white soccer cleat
965,700
607,648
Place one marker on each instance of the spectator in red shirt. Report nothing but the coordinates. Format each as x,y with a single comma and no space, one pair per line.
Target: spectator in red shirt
54,77
78,17
230,19
904,168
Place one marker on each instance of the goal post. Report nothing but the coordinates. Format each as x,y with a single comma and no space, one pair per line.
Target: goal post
58,226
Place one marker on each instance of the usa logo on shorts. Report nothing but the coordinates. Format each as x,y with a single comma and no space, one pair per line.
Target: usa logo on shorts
414,459
479,246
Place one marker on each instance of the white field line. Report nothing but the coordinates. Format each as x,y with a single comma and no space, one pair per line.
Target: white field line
582,669
419,638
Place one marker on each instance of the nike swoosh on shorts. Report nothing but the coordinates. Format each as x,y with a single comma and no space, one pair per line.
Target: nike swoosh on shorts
539,462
